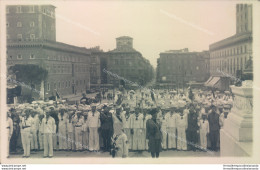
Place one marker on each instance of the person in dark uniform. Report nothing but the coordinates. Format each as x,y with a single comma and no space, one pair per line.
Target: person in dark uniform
16,130
54,114
214,127
193,129
103,93
154,135
106,128
84,99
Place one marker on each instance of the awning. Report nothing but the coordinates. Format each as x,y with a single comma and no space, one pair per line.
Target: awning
207,82
213,82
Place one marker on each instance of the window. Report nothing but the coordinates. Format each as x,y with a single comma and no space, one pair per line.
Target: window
19,37
7,10
19,24
32,56
31,9
59,85
54,86
19,56
19,9
44,11
245,49
7,24
7,36
66,84
48,86
69,83
32,36
32,24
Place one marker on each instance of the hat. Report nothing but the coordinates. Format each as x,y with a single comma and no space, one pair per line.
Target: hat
93,105
51,107
118,107
78,111
99,106
181,103
112,111
227,106
153,111
86,108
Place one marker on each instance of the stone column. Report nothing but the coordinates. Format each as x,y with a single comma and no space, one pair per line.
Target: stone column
236,135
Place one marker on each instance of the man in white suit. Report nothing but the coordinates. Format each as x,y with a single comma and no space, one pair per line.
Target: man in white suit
49,128
93,124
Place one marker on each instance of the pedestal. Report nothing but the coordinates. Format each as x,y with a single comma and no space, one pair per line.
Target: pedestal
236,135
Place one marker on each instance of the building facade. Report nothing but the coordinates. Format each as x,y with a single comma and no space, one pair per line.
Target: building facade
178,68
31,39
127,63
229,56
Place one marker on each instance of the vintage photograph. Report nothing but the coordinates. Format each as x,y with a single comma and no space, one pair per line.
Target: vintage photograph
128,79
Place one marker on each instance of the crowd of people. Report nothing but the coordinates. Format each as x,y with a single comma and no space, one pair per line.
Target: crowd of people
130,120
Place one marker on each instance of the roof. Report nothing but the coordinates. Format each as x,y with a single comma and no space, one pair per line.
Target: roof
231,40
49,44
124,50
124,37
50,5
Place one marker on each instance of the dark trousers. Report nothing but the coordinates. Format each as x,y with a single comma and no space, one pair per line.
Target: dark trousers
13,141
106,135
155,154
192,139
214,134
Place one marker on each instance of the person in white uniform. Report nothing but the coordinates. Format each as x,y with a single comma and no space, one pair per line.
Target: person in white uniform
171,129
204,131
40,134
26,135
85,132
49,128
121,145
138,129
182,124
34,129
127,124
94,125
164,129
62,134
78,122
70,138
146,118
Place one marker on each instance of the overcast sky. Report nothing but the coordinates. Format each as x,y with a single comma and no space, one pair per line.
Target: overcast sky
155,26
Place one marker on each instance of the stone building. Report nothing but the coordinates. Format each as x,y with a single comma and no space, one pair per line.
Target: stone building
229,56
31,39
180,68
127,63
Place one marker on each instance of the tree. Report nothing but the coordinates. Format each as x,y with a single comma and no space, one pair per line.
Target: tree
29,74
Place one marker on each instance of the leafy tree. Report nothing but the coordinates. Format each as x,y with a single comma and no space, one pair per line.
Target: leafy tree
29,74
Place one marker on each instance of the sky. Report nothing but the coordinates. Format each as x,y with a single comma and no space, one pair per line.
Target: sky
155,26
